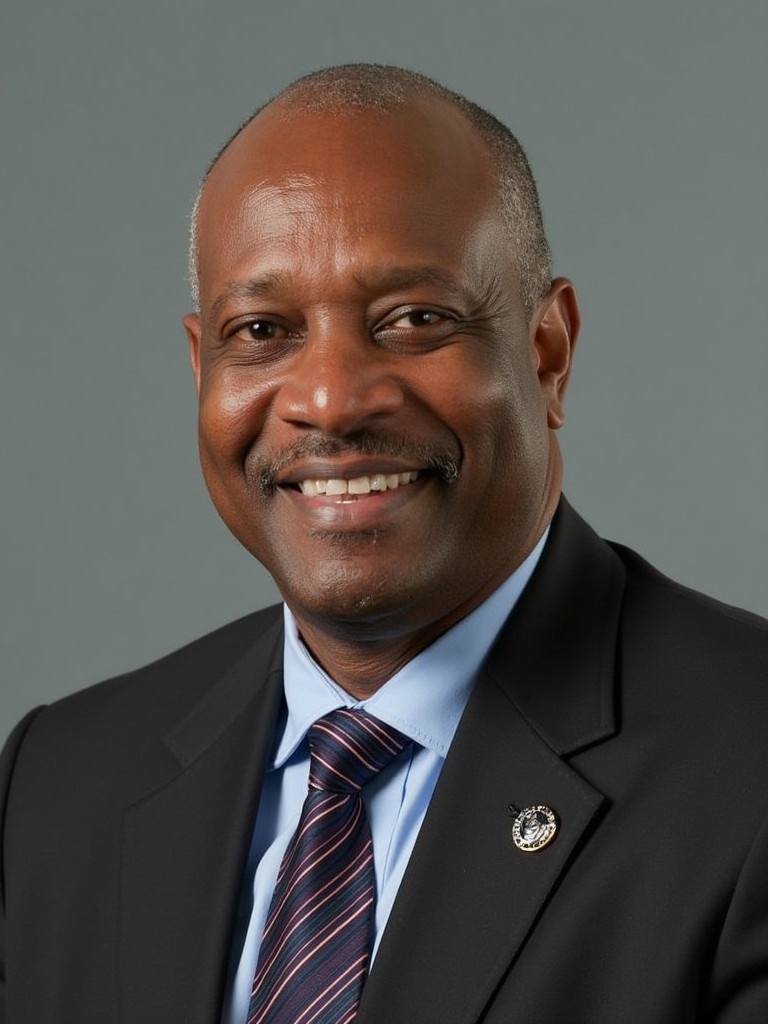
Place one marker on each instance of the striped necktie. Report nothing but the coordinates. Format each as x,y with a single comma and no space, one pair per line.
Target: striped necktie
317,939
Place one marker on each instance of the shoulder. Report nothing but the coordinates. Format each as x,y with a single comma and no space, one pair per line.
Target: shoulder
656,605
153,698
100,749
700,664
600,585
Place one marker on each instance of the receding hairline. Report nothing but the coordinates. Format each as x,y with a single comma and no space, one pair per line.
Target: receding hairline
349,88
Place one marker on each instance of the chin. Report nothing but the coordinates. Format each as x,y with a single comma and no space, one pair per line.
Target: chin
344,603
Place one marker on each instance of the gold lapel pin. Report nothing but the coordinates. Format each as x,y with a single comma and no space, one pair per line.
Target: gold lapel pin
534,828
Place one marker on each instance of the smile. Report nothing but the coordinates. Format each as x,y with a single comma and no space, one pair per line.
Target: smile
359,485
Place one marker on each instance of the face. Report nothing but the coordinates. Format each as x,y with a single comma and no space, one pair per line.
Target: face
376,411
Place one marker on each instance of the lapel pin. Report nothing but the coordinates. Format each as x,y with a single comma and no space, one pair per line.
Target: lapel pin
534,828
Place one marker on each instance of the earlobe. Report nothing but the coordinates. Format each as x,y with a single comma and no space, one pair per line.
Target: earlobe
554,332
192,327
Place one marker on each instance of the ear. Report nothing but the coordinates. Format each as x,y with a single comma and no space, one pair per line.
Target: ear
192,326
554,330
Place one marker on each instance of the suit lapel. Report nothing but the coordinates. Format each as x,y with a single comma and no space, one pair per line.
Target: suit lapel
469,897
184,848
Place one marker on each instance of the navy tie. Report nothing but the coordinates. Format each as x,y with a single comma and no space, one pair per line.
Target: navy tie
317,939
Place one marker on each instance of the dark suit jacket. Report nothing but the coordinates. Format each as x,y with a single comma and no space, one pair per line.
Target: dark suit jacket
635,709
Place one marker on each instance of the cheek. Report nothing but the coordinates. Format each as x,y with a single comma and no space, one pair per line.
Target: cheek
232,411
510,424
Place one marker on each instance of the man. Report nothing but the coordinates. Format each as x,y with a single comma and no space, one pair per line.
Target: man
571,827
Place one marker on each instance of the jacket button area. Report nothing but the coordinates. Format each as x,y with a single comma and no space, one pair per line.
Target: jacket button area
534,828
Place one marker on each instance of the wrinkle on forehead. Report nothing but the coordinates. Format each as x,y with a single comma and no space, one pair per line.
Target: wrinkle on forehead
222,209
297,185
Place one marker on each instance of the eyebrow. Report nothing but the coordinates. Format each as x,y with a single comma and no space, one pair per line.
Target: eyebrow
384,279
253,288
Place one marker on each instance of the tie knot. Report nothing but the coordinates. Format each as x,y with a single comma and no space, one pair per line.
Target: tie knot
348,748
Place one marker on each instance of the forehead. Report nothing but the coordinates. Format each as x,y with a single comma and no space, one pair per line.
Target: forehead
424,134
311,183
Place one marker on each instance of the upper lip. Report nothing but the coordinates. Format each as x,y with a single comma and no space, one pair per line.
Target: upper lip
343,468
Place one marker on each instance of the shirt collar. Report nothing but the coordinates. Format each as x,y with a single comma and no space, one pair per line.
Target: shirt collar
425,698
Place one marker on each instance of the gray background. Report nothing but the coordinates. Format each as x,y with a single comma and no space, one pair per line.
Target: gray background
645,124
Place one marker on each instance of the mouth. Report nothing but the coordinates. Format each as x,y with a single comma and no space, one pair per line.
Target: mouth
367,466
352,495
356,487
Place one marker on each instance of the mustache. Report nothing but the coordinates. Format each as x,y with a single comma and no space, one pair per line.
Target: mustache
440,460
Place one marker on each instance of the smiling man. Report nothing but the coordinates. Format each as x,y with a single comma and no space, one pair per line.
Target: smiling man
376,404
477,767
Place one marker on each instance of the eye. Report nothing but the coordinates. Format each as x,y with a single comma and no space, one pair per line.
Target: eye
259,330
258,338
418,318
416,327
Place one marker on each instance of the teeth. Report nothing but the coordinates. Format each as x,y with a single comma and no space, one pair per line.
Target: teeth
358,485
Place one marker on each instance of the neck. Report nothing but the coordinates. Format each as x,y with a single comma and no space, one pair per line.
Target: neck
359,668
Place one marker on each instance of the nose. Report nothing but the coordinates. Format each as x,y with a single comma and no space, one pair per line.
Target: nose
339,383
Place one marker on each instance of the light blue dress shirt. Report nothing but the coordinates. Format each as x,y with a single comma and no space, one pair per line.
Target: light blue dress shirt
425,701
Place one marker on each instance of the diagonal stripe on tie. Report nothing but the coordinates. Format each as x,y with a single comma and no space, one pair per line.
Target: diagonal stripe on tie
317,939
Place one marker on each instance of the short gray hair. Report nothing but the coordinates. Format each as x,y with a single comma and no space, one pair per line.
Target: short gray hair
384,88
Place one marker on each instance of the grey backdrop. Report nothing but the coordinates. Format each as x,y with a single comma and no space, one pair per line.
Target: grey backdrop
645,123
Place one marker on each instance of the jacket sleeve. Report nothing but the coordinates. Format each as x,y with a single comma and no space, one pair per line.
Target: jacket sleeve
8,760
739,983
